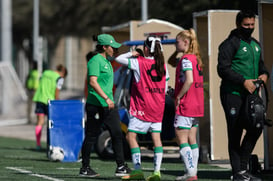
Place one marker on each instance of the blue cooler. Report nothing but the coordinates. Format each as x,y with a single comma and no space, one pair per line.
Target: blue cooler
65,128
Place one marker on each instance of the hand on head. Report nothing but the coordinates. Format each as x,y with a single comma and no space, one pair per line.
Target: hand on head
135,53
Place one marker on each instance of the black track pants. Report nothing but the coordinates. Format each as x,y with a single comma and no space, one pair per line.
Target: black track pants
109,118
239,152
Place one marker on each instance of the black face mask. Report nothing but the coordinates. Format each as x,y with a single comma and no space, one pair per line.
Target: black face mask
246,32
109,58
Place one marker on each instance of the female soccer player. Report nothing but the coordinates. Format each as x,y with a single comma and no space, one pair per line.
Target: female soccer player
189,100
147,102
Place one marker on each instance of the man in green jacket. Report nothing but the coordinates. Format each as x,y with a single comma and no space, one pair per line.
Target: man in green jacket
239,65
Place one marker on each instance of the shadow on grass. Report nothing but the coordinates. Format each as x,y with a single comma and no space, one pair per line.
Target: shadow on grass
208,174
41,150
220,174
77,177
214,175
24,148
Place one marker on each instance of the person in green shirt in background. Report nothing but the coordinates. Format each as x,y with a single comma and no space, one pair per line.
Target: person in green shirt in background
32,83
49,87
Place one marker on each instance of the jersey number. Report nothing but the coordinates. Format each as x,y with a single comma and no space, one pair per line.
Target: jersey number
154,78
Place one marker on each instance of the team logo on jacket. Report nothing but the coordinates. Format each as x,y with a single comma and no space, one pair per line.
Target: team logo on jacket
232,111
245,49
106,66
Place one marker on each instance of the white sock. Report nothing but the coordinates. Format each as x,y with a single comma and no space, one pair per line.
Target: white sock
158,155
195,156
186,155
136,158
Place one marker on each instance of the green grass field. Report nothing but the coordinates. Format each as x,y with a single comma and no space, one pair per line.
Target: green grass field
20,161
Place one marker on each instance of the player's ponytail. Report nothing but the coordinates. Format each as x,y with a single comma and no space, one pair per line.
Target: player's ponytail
155,49
195,47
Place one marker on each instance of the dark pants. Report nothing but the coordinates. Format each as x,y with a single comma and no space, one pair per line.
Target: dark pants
108,118
239,152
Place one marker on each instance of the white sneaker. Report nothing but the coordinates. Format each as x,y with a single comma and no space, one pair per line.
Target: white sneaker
187,177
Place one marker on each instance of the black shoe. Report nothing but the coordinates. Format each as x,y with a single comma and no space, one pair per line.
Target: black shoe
252,177
245,176
88,172
123,170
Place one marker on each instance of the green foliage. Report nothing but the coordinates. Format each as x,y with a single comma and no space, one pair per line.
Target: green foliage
84,18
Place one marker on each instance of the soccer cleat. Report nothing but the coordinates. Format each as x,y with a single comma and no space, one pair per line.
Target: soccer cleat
155,177
245,176
252,177
134,175
187,177
88,172
123,170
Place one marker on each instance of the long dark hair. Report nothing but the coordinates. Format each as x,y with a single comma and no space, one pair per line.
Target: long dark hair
157,53
90,55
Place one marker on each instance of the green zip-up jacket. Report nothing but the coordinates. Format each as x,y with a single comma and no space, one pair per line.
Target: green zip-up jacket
239,59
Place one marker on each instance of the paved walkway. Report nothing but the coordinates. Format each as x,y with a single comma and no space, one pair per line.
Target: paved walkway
16,124
22,131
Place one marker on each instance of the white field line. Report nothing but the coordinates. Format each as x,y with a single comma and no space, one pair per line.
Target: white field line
33,174
201,169
62,168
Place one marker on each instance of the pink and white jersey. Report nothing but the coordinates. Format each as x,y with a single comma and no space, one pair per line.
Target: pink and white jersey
192,103
148,94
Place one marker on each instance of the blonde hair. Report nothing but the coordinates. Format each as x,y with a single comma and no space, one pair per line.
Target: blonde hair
193,46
